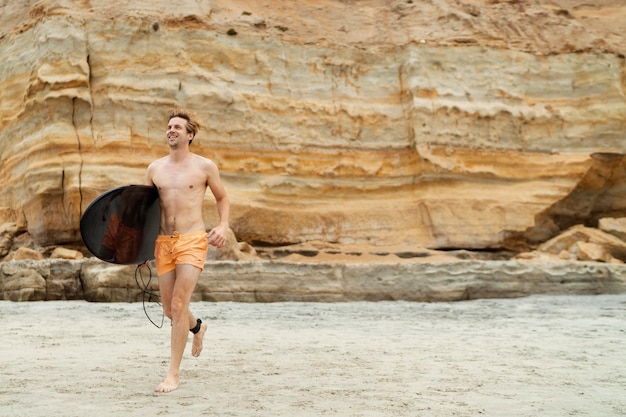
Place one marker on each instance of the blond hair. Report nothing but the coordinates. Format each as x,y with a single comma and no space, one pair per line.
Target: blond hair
192,123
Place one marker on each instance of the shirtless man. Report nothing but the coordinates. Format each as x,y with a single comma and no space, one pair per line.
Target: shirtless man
182,178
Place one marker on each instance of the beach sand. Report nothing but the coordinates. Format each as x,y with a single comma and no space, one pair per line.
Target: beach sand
536,356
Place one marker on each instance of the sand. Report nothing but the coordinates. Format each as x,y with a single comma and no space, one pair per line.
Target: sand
536,356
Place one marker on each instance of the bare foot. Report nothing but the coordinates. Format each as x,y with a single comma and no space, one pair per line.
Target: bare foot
170,384
196,346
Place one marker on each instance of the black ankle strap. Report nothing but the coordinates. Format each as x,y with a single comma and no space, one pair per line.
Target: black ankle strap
197,328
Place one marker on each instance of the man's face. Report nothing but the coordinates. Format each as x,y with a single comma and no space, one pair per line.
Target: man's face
177,132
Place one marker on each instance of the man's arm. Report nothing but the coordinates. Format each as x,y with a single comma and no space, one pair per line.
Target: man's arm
217,236
148,178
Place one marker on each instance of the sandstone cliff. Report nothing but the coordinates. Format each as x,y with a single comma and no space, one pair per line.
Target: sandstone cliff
478,124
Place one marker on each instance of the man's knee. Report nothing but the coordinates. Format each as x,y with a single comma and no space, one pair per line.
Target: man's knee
178,307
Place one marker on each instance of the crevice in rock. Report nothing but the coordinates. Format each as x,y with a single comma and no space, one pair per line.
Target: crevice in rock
598,194
488,254
595,196
80,156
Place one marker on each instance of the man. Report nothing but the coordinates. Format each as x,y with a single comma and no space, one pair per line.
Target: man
182,178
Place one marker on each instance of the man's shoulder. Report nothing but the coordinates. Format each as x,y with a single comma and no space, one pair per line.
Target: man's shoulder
160,160
203,161
157,162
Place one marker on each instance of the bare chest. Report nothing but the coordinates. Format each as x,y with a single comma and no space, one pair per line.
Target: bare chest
180,179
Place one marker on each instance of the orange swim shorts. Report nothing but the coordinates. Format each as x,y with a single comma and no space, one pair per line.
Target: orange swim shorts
175,249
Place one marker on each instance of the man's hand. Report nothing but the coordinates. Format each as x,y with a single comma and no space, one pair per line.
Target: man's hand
217,236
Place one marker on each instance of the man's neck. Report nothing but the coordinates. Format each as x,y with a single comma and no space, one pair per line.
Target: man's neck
179,154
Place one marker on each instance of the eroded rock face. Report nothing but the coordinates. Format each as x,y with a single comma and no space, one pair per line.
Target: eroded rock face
456,124
262,281
41,280
586,244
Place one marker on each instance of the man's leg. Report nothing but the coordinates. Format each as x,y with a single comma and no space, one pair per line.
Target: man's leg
166,289
182,286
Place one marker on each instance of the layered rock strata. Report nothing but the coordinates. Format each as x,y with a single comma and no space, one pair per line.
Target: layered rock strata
259,281
454,124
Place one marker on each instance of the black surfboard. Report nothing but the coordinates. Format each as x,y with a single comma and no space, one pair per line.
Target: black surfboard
121,225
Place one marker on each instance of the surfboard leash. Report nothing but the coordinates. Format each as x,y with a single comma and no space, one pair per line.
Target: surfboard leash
151,297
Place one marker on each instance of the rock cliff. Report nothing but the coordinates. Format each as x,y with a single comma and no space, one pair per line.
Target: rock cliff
256,281
476,124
